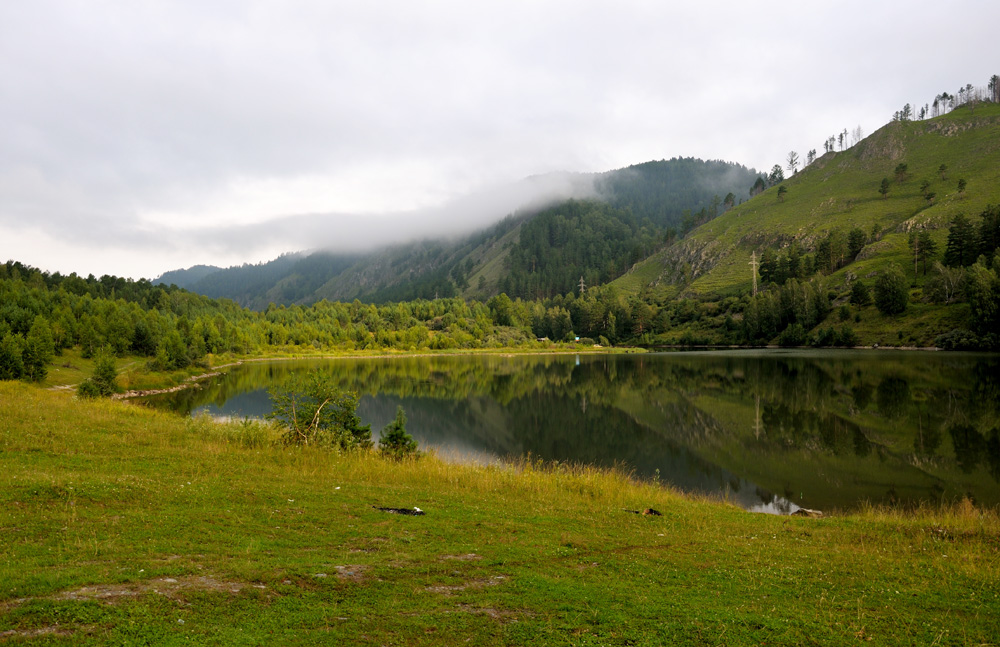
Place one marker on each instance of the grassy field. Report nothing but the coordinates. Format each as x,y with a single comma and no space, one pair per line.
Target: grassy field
123,525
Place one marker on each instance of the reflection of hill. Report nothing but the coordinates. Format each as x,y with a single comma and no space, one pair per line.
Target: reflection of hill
836,427
833,427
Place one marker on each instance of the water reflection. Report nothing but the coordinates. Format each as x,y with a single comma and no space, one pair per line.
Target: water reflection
768,430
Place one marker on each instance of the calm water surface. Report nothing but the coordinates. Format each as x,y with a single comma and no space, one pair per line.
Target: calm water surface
768,430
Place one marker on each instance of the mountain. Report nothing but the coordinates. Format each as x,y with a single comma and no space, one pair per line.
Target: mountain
186,278
541,250
832,221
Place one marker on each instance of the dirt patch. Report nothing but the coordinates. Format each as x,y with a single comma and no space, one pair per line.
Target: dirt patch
351,572
38,632
169,587
469,557
497,614
480,583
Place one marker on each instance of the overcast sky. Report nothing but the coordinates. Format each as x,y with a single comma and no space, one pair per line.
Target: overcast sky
142,136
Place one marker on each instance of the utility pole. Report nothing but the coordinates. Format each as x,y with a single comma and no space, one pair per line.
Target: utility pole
753,264
583,286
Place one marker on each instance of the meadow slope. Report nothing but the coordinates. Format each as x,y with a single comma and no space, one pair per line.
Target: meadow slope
123,525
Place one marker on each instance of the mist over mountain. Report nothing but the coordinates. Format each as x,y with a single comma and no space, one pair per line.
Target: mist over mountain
629,213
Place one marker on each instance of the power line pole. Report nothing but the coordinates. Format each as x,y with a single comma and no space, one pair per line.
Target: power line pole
583,286
753,264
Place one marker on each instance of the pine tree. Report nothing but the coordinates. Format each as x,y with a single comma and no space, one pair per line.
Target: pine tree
961,249
860,294
394,442
926,249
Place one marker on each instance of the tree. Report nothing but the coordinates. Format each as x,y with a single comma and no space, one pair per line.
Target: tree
782,190
989,231
943,171
11,357
393,441
856,240
982,288
810,156
884,188
729,201
316,412
945,283
994,88
768,266
961,249
824,256
891,291
860,294
857,135
900,171
104,381
793,162
501,309
39,348
776,177
961,186
926,249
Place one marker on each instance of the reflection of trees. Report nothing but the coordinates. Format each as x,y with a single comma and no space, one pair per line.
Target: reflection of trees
926,442
603,408
892,397
969,444
862,394
993,454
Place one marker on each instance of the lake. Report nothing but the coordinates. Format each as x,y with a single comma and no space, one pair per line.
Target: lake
769,430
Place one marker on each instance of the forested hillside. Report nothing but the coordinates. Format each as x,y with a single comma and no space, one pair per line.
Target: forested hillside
633,211
43,315
578,240
892,240
677,194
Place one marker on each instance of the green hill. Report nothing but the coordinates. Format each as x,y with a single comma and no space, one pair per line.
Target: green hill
813,218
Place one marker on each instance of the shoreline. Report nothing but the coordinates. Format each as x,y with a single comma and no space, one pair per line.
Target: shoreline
192,381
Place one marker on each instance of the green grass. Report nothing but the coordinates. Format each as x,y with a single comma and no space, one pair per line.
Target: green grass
124,525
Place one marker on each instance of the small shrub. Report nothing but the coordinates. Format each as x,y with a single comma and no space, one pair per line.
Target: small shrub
847,337
104,381
314,411
394,442
860,294
794,335
957,339
826,337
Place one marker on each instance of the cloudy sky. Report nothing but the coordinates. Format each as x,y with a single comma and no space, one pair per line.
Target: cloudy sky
142,136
